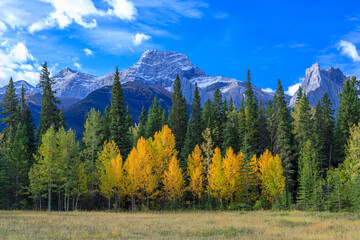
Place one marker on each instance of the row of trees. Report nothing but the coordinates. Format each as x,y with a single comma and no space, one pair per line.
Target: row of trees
135,165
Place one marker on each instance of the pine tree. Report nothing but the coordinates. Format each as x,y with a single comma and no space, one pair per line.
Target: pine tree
27,119
251,118
142,123
178,115
119,126
328,126
50,113
106,123
195,126
283,139
347,116
231,139
19,162
62,119
10,111
264,140
305,122
219,117
308,176
154,121
242,123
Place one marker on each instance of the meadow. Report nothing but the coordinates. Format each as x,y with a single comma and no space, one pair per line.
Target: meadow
179,225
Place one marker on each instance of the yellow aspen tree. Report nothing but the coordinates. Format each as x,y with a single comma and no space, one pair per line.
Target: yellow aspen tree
173,180
231,168
105,173
147,167
216,176
196,173
132,176
272,178
118,172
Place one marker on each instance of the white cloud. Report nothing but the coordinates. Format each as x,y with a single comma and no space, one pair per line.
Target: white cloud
78,66
16,61
123,9
292,89
268,90
139,38
67,12
88,52
349,49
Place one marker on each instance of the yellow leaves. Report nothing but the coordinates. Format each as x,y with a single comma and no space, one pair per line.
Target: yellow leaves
173,180
272,179
109,170
231,168
216,175
196,172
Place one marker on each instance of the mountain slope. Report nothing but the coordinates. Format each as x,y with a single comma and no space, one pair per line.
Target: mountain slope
137,95
318,81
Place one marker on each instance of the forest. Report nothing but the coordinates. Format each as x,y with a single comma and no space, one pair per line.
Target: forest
212,156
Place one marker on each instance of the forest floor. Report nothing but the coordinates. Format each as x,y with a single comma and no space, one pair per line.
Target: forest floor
179,225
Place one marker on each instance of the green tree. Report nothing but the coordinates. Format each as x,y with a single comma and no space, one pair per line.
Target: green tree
155,118
219,118
50,113
347,115
142,123
119,126
178,115
282,138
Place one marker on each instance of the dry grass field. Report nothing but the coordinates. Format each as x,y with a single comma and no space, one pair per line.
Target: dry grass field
178,225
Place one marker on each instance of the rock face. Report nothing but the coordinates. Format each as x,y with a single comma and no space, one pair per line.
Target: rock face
156,68
318,81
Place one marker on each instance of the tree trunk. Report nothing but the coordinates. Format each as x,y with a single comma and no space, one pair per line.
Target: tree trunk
49,196
77,200
16,191
109,203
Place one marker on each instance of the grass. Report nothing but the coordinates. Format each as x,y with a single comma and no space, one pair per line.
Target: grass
178,225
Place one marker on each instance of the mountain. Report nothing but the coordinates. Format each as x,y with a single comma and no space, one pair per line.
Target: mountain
156,68
318,81
137,95
29,89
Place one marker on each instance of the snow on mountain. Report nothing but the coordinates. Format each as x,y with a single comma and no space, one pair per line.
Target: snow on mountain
318,81
70,83
29,89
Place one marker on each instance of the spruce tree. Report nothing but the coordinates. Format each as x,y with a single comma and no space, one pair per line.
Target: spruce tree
242,123
119,125
155,118
142,123
305,122
27,120
264,140
219,117
178,115
10,111
283,139
251,118
328,126
50,113
347,116
231,139
62,119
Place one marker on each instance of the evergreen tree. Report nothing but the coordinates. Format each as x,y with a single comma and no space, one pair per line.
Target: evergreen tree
194,130
155,118
231,139
142,123
27,119
10,111
207,115
106,123
347,116
264,140
305,122
242,122
219,117
50,113
328,126
119,125
251,118
283,139
308,176
178,115
62,119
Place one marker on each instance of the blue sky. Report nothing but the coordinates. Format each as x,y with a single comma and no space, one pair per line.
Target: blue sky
274,39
